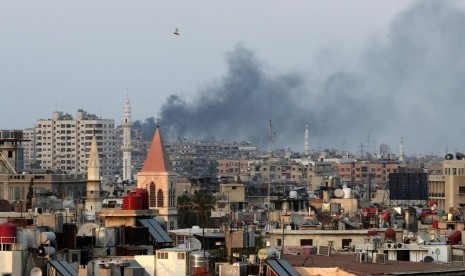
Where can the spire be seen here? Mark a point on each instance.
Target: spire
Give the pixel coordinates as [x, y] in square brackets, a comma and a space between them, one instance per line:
[93, 167]
[157, 160]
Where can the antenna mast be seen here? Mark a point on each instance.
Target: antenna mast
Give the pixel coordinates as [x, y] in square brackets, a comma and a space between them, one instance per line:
[270, 142]
[306, 141]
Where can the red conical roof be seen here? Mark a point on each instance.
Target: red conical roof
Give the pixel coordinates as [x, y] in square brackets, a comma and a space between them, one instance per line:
[157, 160]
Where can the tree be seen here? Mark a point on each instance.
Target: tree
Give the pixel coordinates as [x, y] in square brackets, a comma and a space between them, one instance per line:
[195, 209]
[185, 207]
[203, 204]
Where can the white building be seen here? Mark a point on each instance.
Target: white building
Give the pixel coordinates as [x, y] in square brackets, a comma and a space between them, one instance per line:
[62, 143]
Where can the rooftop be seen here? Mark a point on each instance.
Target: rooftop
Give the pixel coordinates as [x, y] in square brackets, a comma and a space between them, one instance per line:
[347, 262]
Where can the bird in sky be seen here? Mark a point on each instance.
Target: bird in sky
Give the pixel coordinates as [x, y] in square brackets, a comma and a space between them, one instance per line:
[176, 31]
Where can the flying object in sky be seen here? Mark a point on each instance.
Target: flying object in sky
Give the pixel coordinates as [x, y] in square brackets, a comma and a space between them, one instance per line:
[176, 31]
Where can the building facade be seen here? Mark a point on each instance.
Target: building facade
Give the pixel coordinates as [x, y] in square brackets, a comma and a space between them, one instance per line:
[62, 143]
[448, 189]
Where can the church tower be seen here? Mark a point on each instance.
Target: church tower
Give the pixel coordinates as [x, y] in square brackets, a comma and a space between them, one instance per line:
[160, 180]
[93, 198]
[126, 148]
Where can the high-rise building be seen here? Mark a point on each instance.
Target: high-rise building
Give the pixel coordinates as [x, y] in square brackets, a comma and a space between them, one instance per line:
[63, 143]
[29, 148]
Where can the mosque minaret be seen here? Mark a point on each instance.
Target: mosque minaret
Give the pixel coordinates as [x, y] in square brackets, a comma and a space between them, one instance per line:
[127, 148]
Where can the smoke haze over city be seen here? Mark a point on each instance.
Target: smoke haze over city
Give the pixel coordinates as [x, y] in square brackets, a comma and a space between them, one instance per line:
[408, 84]
[352, 69]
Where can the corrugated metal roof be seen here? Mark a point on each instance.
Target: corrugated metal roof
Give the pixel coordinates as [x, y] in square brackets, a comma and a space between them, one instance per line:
[155, 230]
[64, 268]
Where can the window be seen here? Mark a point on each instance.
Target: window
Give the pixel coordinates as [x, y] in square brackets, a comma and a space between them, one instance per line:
[278, 242]
[346, 243]
[152, 195]
[162, 255]
[160, 198]
[306, 242]
[181, 256]
[461, 189]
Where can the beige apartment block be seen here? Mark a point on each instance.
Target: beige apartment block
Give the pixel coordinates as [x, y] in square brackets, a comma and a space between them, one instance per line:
[448, 189]
[62, 143]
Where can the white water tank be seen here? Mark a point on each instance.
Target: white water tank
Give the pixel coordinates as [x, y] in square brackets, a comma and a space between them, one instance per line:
[347, 192]
[293, 194]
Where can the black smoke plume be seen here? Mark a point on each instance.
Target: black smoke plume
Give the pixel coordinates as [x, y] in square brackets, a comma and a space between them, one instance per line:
[409, 83]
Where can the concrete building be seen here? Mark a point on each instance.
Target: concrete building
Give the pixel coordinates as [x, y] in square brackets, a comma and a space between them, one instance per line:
[62, 143]
[360, 171]
[29, 151]
[11, 152]
[448, 189]
[14, 182]
[231, 198]
[160, 180]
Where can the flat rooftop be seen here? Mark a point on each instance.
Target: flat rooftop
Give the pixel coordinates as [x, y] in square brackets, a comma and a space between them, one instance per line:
[346, 262]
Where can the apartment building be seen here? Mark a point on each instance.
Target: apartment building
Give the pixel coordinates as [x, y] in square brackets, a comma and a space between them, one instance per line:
[360, 171]
[448, 189]
[62, 143]
[28, 146]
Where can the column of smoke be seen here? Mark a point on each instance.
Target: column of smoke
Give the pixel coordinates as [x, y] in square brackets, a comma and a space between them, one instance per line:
[408, 83]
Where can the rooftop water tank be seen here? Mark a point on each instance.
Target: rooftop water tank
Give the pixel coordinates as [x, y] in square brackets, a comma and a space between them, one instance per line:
[7, 233]
[132, 201]
[145, 197]
[347, 192]
[197, 260]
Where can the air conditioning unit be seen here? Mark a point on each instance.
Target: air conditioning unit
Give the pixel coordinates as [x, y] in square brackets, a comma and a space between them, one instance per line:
[379, 258]
[361, 257]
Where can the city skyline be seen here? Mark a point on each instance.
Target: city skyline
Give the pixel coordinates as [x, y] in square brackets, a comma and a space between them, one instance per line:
[388, 69]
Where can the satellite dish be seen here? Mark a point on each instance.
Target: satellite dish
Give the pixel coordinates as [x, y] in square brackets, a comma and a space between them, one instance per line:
[437, 251]
[338, 193]
[194, 244]
[428, 259]
[36, 271]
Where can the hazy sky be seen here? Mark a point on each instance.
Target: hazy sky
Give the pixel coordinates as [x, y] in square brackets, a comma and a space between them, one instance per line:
[347, 68]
